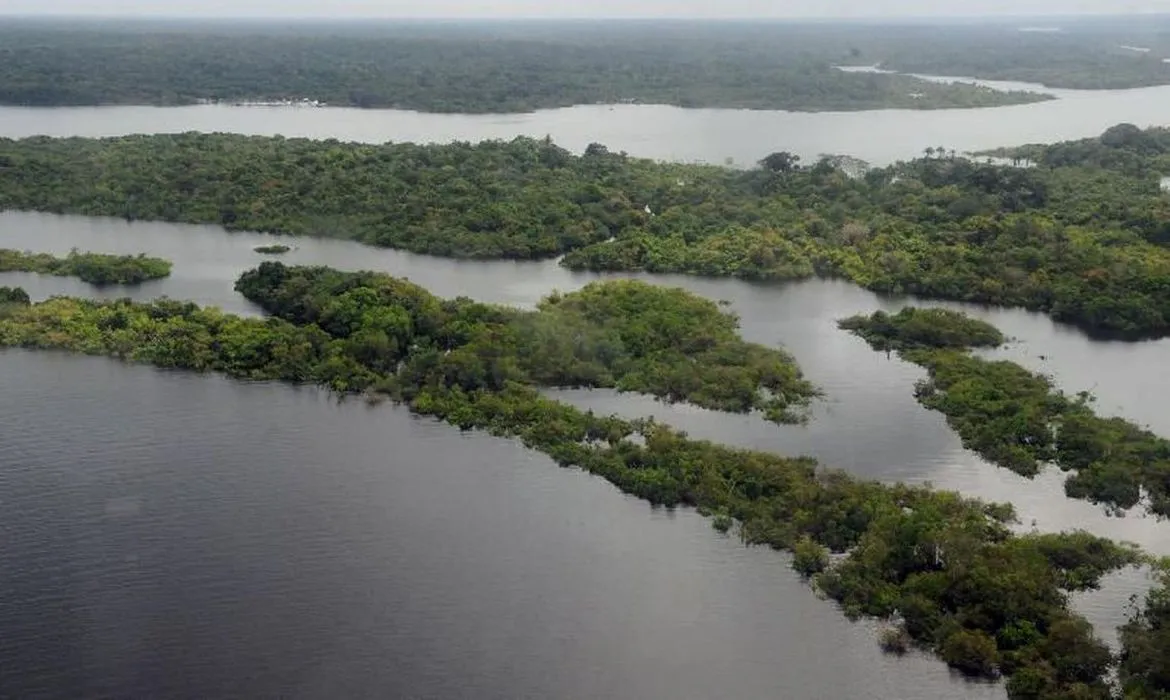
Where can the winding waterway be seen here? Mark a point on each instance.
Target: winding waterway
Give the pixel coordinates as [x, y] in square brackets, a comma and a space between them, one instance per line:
[169, 535]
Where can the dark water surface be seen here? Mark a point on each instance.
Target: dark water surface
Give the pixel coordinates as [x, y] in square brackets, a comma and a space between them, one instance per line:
[171, 535]
[194, 536]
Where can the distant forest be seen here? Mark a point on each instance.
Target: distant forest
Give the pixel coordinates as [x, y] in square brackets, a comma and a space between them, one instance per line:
[499, 67]
[477, 68]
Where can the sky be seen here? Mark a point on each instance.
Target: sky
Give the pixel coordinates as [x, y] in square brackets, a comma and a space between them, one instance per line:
[579, 8]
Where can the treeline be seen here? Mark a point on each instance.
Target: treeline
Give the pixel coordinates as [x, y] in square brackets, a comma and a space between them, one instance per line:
[1082, 236]
[95, 268]
[445, 68]
[1019, 420]
[950, 570]
[519, 199]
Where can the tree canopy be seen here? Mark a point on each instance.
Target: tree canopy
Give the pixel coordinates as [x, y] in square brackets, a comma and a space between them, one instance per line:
[1084, 235]
[440, 67]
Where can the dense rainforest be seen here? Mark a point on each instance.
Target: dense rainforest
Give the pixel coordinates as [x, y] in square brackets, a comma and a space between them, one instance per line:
[447, 67]
[1017, 419]
[949, 571]
[95, 268]
[1082, 235]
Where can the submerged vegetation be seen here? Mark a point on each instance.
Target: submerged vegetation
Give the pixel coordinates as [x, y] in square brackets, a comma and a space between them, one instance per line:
[1018, 419]
[276, 249]
[95, 268]
[988, 601]
[1083, 236]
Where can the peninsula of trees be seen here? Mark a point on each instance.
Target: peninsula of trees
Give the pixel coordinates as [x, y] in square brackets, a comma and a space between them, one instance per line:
[1081, 236]
[989, 602]
[1017, 419]
[95, 268]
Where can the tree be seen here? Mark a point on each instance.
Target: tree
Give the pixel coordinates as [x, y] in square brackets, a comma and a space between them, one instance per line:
[781, 162]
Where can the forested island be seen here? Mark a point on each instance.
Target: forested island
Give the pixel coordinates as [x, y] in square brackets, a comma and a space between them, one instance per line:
[95, 268]
[949, 570]
[1017, 419]
[1081, 236]
[467, 68]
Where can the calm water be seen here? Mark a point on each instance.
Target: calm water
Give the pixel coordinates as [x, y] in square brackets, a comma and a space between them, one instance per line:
[666, 133]
[176, 536]
[869, 424]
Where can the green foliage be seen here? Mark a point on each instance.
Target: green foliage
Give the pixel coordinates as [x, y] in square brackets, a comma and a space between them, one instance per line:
[1084, 237]
[923, 328]
[13, 295]
[951, 566]
[626, 335]
[972, 652]
[1145, 641]
[809, 558]
[1017, 419]
[520, 199]
[457, 68]
[94, 268]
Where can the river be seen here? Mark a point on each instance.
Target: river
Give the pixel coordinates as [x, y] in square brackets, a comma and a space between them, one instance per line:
[869, 424]
[169, 535]
[652, 131]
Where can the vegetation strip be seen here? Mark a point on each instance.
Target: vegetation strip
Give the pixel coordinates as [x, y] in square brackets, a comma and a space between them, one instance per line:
[1017, 419]
[948, 569]
[1082, 236]
[95, 268]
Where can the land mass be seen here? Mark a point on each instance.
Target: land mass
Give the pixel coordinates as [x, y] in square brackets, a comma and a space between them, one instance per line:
[951, 571]
[443, 67]
[95, 268]
[1082, 235]
[1017, 419]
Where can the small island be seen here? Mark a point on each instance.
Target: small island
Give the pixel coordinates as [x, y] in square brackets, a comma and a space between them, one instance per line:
[96, 268]
[923, 328]
[1017, 419]
[274, 249]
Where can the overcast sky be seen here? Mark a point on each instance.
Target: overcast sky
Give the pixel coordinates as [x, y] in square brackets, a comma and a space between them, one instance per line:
[579, 8]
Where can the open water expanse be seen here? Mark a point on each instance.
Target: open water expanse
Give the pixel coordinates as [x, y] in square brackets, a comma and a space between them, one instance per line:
[653, 131]
[175, 535]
